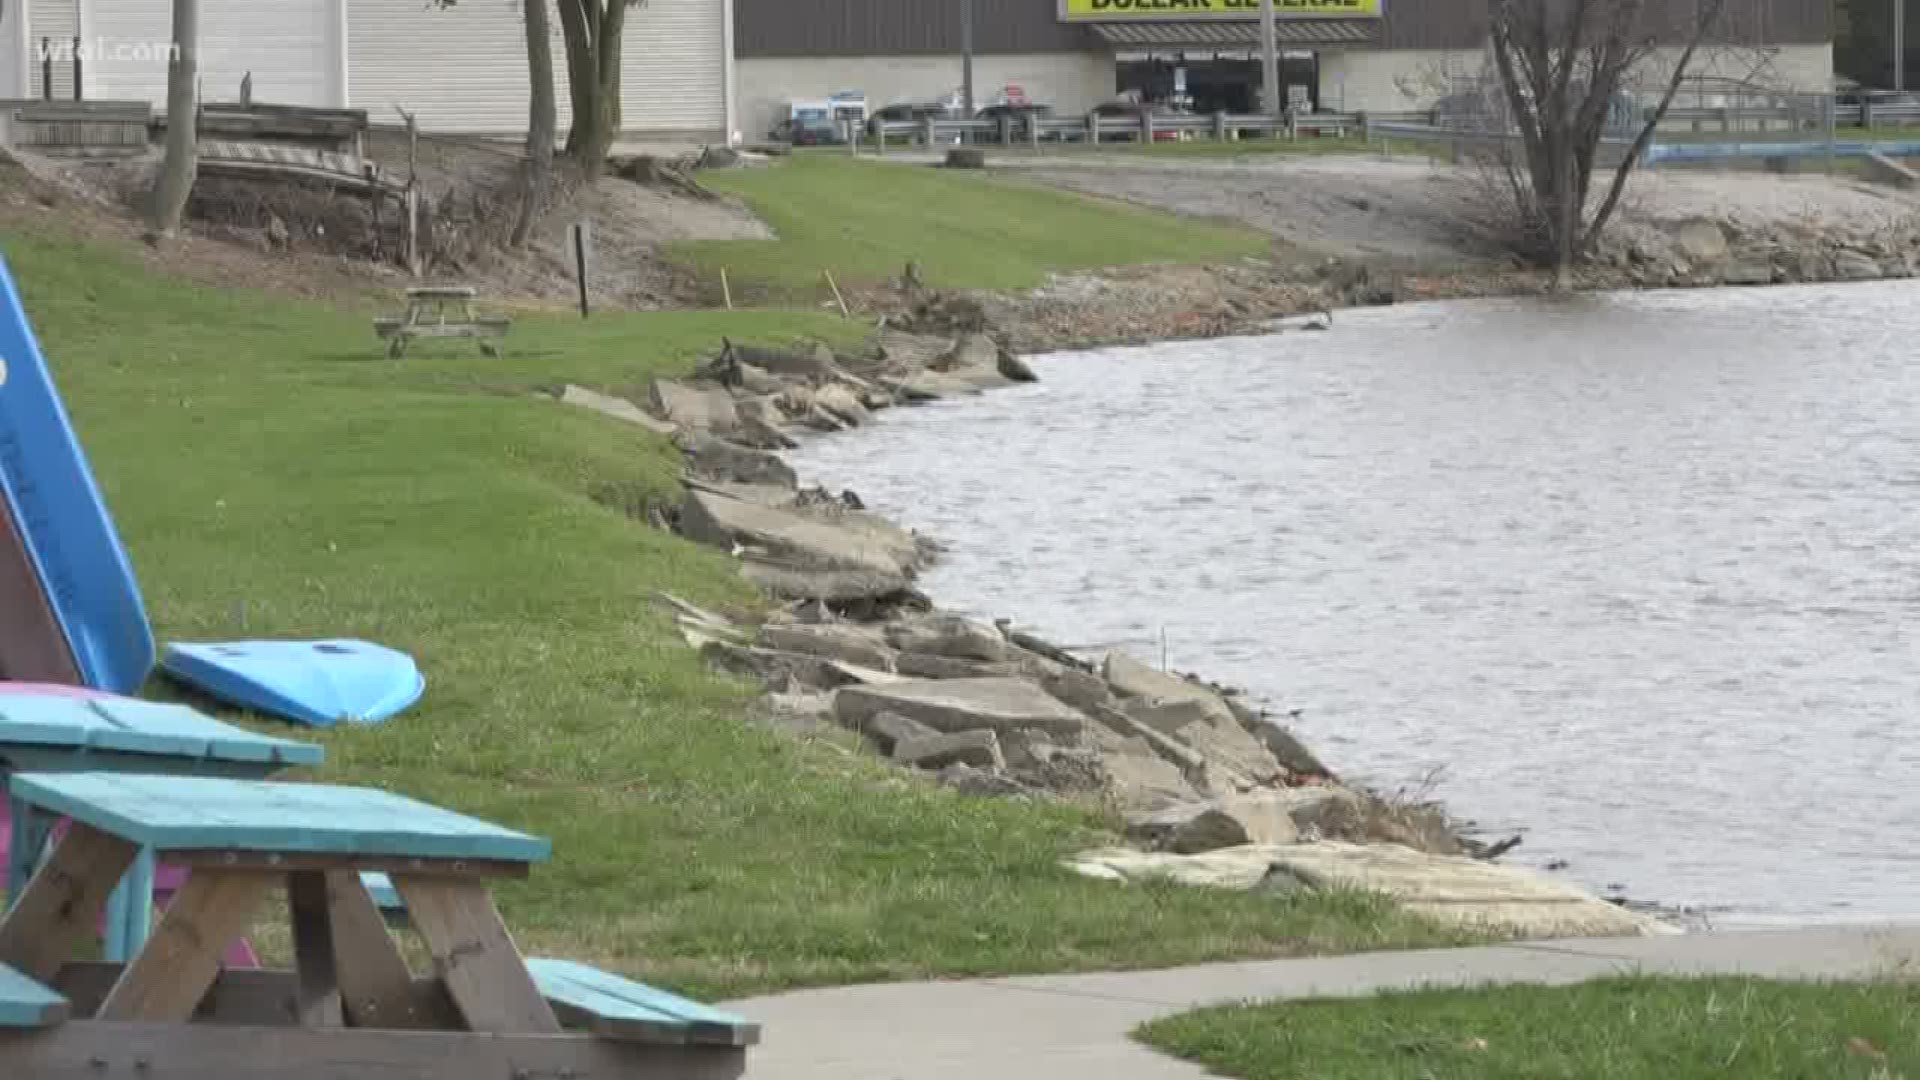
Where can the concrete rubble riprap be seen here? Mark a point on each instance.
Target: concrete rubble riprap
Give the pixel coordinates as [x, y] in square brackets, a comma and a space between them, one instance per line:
[618, 408]
[1459, 891]
[1208, 784]
[956, 705]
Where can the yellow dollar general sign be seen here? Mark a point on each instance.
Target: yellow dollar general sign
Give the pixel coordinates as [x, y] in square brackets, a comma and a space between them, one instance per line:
[1132, 10]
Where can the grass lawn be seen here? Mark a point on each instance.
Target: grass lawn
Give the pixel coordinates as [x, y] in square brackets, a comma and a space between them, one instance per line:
[274, 476]
[1619, 1029]
[865, 220]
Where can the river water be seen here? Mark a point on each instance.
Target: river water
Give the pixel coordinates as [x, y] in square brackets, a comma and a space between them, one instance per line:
[1637, 572]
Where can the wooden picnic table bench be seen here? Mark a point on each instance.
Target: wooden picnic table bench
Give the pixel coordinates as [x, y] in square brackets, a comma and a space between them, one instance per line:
[104, 733]
[351, 1008]
[426, 316]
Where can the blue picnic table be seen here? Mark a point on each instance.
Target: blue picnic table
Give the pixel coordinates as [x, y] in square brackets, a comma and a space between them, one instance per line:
[109, 734]
[351, 1006]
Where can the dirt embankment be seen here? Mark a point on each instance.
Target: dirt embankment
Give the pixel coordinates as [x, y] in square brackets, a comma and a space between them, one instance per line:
[312, 240]
[473, 186]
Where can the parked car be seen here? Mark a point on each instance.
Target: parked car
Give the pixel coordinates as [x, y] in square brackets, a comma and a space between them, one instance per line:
[807, 133]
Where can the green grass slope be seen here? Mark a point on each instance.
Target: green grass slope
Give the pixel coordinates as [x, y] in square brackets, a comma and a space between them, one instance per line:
[865, 220]
[274, 476]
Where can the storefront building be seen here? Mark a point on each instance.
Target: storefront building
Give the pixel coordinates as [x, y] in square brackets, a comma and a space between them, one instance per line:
[1071, 55]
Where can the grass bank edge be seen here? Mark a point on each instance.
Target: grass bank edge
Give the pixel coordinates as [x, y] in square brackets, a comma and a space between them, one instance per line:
[1630, 1027]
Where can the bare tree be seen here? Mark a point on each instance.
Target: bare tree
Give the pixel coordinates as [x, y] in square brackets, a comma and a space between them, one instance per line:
[542, 121]
[594, 31]
[1563, 67]
[175, 182]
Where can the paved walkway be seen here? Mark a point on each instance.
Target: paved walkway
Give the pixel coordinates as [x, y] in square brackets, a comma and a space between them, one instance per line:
[1074, 1027]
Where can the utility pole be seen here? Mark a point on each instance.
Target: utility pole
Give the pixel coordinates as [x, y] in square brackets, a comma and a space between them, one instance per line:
[1269, 59]
[1899, 44]
[966, 57]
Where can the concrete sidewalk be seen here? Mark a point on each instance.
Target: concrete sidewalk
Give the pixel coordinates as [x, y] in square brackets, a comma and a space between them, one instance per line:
[1075, 1027]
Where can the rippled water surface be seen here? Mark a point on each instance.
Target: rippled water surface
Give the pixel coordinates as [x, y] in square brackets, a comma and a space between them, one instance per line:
[1638, 571]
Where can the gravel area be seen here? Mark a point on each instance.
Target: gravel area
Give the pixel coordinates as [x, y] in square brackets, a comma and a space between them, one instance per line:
[1416, 213]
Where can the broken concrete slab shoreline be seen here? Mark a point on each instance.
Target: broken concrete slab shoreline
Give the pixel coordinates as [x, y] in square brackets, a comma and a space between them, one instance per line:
[1196, 775]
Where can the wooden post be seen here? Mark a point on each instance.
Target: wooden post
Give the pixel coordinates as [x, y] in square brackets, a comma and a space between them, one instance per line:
[582, 243]
[413, 229]
[726, 290]
[378, 200]
[412, 194]
[318, 999]
[837, 298]
[1146, 125]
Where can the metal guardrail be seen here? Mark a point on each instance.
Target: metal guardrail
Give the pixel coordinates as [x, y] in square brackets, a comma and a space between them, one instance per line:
[1783, 112]
[1096, 128]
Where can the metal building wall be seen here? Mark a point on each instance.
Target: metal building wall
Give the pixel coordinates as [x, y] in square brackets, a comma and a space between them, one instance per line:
[51, 22]
[899, 27]
[766, 28]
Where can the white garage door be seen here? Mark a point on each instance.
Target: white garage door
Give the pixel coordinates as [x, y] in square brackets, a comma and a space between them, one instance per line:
[673, 67]
[292, 48]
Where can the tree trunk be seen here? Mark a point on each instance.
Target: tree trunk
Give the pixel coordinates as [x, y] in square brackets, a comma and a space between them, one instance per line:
[593, 30]
[542, 121]
[577, 33]
[177, 172]
[1566, 226]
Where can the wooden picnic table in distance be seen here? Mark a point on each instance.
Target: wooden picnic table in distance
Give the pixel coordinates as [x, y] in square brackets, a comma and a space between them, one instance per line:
[351, 1008]
[113, 734]
[427, 317]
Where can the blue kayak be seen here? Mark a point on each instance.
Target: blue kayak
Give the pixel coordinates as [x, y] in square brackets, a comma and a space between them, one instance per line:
[320, 683]
[58, 523]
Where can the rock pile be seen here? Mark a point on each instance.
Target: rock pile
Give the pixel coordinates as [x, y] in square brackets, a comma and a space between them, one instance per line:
[1212, 788]
[986, 709]
[989, 710]
[1729, 251]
